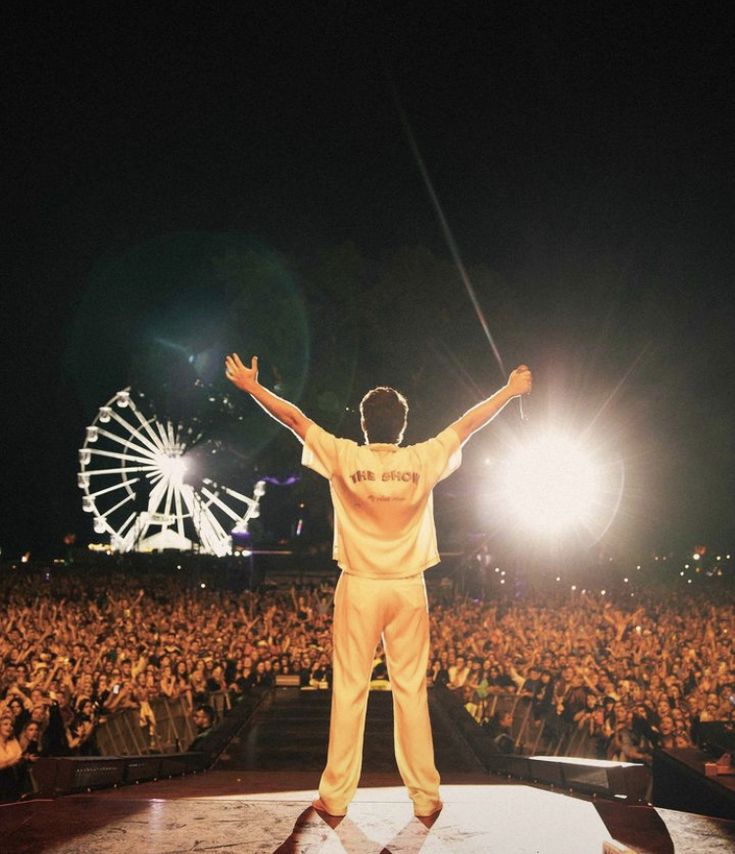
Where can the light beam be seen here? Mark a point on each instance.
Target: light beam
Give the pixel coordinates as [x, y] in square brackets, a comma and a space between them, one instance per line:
[449, 237]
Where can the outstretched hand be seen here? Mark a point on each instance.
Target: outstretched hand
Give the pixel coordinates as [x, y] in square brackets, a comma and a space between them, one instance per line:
[247, 379]
[240, 375]
[520, 382]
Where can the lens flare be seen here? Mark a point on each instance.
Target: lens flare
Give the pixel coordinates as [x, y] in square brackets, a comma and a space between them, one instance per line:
[551, 485]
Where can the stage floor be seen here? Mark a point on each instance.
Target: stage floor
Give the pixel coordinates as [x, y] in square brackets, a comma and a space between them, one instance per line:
[232, 812]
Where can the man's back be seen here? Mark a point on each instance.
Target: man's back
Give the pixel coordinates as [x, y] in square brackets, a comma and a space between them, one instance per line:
[384, 526]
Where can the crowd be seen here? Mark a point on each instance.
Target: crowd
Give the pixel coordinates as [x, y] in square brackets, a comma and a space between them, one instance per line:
[75, 649]
[629, 679]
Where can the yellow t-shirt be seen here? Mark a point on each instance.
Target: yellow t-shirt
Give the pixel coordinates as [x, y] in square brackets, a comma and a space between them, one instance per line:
[382, 497]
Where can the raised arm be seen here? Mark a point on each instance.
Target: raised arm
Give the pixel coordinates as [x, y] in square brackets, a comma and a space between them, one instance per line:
[246, 379]
[519, 383]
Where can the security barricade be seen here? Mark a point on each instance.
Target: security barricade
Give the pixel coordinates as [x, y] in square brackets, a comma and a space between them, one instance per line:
[134, 752]
[221, 702]
[534, 732]
[530, 736]
[166, 726]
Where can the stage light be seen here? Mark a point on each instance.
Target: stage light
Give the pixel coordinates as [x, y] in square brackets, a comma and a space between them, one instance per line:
[553, 485]
[695, 556]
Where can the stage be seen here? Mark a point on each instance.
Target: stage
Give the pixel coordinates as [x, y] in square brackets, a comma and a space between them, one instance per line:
[267, 812]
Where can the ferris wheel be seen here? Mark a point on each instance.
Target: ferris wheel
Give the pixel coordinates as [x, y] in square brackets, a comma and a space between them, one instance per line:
[133, 476]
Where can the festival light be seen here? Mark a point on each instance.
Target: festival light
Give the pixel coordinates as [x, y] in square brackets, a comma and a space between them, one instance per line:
[553, 485]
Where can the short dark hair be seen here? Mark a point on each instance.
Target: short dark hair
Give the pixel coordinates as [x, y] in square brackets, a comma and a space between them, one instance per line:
[384, 411]
[208, 710]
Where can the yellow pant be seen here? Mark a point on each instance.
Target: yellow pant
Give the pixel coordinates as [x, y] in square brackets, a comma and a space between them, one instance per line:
[365, 608]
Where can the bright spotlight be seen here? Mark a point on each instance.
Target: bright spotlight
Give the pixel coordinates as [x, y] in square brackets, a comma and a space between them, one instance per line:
[551, 485]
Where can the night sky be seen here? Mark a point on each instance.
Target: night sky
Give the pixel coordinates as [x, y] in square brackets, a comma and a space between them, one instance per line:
[176, 183]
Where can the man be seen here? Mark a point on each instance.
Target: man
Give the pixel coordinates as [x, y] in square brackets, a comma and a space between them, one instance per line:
[500, 730]
[531, 683]
[203, 719]
[628, 744]
[384, 539]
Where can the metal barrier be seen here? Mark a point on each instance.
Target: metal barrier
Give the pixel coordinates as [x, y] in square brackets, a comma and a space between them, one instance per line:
[167, 729]
[548, 733]
[53, 776]
[586, 773]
